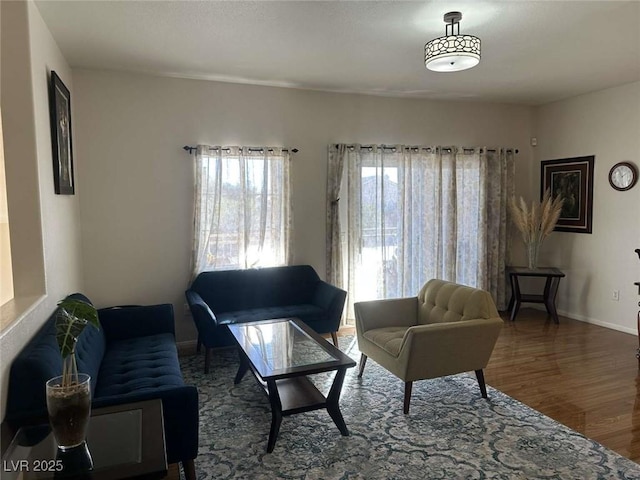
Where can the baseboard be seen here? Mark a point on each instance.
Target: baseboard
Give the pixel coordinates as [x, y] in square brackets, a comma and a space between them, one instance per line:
[187, 347]
[612, 326]
[585, 319]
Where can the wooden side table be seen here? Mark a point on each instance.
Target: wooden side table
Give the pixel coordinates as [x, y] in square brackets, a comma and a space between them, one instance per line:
[548, 297]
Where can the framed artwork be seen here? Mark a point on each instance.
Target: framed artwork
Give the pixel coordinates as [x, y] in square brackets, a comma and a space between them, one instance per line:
[60, 111]
[572, 179]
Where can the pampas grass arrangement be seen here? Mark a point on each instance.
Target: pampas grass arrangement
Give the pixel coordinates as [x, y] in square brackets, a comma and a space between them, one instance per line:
[536, 222]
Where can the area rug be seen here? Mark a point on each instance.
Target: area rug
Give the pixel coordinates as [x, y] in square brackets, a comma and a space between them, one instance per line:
[451, 432]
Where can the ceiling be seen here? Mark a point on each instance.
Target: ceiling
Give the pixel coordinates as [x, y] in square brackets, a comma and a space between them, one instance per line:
[533, 52]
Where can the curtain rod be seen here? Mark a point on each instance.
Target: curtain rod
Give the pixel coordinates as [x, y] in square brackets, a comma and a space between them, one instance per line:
[428, 149]
[191, 149]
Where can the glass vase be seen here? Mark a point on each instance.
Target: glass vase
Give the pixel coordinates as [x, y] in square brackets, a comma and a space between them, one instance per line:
[533, 248]
[69, 408]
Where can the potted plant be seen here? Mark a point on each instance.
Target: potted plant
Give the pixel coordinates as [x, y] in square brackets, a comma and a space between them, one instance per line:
[69, 395]
[536, 223]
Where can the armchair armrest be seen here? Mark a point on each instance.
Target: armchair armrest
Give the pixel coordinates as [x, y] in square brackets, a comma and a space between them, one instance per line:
[439, 349]
[393, 312]
[136, 321]
[330, 298]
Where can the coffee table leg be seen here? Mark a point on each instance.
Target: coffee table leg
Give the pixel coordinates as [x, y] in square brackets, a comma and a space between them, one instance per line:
[242, 369]
[333, 407]
[276, 414]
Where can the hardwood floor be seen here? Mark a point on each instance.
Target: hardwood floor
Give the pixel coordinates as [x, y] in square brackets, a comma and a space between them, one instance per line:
[584, 376]
[581, 375]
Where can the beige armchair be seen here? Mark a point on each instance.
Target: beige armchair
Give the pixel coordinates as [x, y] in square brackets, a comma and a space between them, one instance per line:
[446, 329]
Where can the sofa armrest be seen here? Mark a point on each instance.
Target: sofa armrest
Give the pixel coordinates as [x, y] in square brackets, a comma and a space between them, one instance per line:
[200, 311]
[439, 349]
[393, 312]
[206, 322]
[330, 298]
[136, 321]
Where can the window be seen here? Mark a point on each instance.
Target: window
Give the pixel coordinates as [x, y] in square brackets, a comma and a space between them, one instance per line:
[242, 208]
[6, 273]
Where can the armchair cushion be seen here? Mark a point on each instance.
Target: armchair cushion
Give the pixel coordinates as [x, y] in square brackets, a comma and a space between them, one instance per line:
[388, 338]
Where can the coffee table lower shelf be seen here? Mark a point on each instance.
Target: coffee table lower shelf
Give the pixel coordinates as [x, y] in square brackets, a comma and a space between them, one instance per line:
[289, 396]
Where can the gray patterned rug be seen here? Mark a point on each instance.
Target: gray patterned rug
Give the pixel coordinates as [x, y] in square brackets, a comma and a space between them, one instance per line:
[451, 432]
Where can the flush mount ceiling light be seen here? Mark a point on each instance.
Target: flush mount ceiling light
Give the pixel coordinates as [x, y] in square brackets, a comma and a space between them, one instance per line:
[453, 52]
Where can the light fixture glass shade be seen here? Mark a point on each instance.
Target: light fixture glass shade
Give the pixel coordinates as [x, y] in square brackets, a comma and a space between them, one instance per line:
[452, 53]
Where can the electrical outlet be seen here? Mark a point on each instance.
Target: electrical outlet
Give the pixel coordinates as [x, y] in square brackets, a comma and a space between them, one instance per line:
[615, 295]
[186, 310]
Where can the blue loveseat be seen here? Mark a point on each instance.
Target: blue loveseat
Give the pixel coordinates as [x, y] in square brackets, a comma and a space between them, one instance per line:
[131, 358]
[217, 299]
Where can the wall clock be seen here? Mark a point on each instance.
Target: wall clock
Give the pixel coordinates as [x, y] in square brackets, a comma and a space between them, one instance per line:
[623, 176]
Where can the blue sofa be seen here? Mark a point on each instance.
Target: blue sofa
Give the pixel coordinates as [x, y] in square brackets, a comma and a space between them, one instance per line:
[217, 299]
[133, 357]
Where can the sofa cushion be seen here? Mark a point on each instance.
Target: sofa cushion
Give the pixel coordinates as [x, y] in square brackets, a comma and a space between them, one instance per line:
[387, 338]
[139, 364]
[305, 312]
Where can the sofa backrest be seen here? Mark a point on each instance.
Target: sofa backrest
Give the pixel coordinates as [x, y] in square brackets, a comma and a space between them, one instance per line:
[232, 290]
[40, 360]
[441, 301]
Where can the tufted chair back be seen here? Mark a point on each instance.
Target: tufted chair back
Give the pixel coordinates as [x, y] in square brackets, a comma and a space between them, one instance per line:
[440, 301]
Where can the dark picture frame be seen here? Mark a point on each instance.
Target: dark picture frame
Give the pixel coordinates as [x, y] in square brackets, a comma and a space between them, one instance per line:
[60, 112]
[572, 179]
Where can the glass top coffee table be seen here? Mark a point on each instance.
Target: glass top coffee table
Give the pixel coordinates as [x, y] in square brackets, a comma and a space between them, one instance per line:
[281, 353]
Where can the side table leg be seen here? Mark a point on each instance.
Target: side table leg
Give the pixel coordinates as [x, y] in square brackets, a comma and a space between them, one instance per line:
[276, 414]
[513, 293]
[550, 292]
[333, 407]
[516, 297]
[638, 353]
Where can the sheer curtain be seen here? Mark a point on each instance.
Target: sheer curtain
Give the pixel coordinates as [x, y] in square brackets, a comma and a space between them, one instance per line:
[334, 181]
[242, 208]
[415, 213]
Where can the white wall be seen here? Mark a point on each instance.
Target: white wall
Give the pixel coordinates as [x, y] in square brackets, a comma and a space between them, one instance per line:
[6, 272]
[47, 225]
[137, 181]
[605, 124]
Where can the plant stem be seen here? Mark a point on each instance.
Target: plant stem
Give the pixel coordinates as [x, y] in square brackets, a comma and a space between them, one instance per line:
[75, 366]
